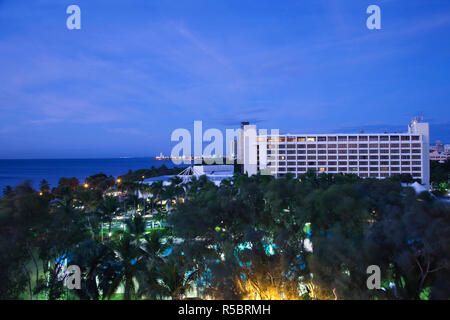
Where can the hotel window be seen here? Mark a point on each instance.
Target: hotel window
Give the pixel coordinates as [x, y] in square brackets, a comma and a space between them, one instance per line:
[384, 157]
[281, 169]
[301, 158]
[301, 139]
[416, 169]
[373, 138]
[395, 145]
[415, 138]
[373, 145]
[405, 163]
[290, 163]
[364, 175]
[282, 139]
[395, 138]
[322, 163]
[342, 146]
[352, 138]
[322, 169]
[383, 174]
[291, 139]
[311, 139]
[384, 151]
[372, 151]
[291, 157]
[373, 169]
[281, 163]
[384, 163]
[416, 157]
[321, 145]
[311, 158]
[363, 138]
[282, 158]
[321, 138]
[374, 175]
[363, 145]
[373, 157]
[291, 146]
[363, 151]
[363, 157]
[406, 157]
[416, 151]
[342, 169]
[322, 157]
[312, 152]
[311, 163]
[353, 145]
[415, 145]
[363, 163]
[353, 169]
[342, 163]
[322, 151]
[282, 151]
[395, 157]
[311, 146]
[384, 138]
[405, 138]
[332, 151]
[331, 169]
[342, 138]
[363, 169]
[405, 151]
[332, 146]
[395, 151]
[291, 152]
[342, 157]
[384, 145]
[301, 169]
[301, 146]
[342, 151]
[331, 163]
[332, 157]
[260, 139]
[416, 174]
[384, 169]
[395, 169]
[373, 163]
[353, 163]
[332, 138]
[417, 163]
[406, 145]
[353, 151]
[301, 151]
[302, 163]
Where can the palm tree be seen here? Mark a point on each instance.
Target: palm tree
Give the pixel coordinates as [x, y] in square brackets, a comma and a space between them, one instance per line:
[173, 280]
[129, 258]
[108, 209]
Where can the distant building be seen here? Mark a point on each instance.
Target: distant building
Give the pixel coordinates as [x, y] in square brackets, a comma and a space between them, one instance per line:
[439, 152]
[375, 155]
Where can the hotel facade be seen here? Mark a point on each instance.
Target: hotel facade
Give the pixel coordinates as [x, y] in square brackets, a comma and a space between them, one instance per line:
[374, 155]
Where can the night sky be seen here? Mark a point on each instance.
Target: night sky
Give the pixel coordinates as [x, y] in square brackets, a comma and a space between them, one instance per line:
[139, 69]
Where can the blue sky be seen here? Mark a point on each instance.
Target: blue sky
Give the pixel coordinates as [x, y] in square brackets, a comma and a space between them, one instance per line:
[137, 70]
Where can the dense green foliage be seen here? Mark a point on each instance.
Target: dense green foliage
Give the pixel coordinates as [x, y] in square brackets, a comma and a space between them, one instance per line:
[249, 238]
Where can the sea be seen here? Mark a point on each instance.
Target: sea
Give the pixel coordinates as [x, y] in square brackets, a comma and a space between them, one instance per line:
[14, 172]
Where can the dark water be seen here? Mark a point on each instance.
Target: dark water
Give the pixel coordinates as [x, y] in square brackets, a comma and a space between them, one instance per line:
[13, 172]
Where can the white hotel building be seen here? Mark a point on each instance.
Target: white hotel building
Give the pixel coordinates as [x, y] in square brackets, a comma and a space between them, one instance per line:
[375, 155]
